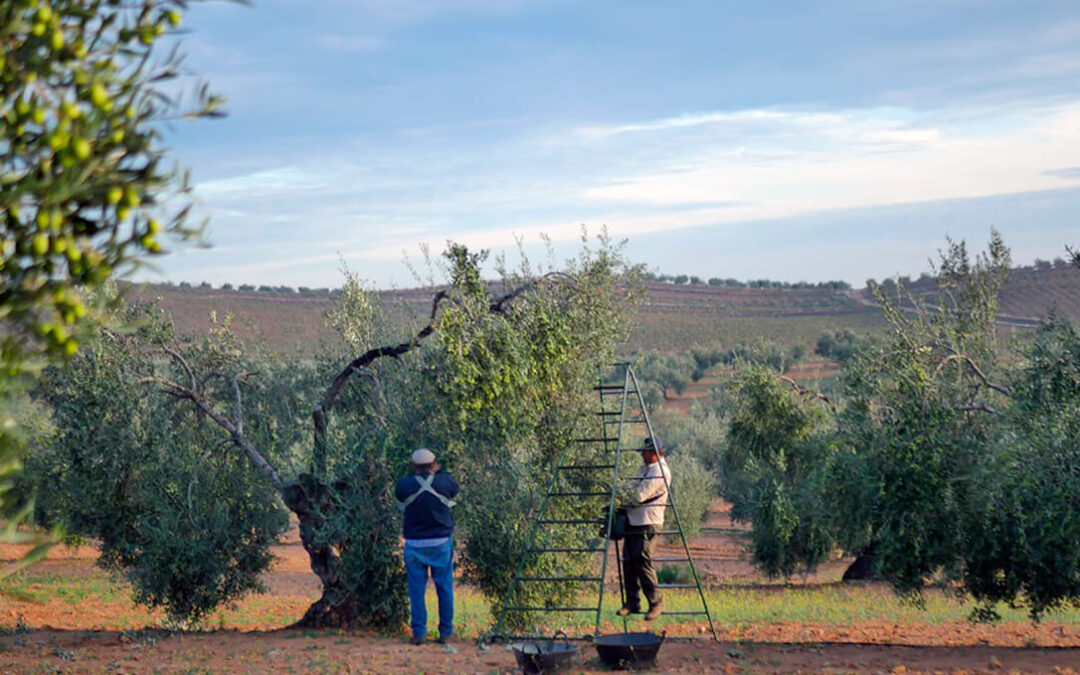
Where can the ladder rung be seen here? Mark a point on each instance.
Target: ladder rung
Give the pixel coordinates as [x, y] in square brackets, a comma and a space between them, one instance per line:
[676, 585]
[608, 413]
[569, 521]
[588, 466]
[595, 440]
[565, 550]
[559, 578]
[609, 387]
[669, 560]
[580, 494]
[551, 609]
[667, 532]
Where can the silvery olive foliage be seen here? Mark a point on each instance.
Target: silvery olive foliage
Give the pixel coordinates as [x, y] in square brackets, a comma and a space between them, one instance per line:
[211, 437]
[951, 456]
[178, 513]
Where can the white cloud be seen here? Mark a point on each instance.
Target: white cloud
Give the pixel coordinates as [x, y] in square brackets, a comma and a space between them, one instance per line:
[635, 177]
[258, 183]
[805, 163]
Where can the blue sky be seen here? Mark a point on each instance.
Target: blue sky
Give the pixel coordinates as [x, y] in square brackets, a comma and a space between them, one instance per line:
[799, 140]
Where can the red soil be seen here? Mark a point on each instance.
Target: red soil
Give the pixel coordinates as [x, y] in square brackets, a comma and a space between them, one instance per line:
[71, 636]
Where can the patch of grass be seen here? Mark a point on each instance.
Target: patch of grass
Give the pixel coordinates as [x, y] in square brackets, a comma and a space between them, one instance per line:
[837, 604]
[43, 588]
[675, 574]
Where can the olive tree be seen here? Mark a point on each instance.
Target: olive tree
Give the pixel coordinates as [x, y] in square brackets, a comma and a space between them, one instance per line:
[776, 451]
[888, 475]
[189, 525]
[496, 379]
[84, 193]
[946, 462]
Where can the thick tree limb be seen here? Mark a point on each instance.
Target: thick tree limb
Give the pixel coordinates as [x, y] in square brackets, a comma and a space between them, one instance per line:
[183, 364]
[803, 391]
[498, 306]
[1001, 389]
[235, 434]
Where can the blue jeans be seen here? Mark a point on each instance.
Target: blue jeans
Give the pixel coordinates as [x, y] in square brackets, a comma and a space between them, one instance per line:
[440, 561]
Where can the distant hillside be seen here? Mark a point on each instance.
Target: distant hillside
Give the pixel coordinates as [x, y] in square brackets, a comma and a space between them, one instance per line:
[675, 317]
[1030, 294]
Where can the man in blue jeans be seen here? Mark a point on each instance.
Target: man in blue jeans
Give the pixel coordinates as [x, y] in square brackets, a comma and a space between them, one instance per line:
[426, 495]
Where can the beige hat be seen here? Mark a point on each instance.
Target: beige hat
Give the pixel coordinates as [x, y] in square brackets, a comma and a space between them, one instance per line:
[423, 456]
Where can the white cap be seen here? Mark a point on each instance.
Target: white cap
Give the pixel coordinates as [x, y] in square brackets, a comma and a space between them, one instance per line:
[423, 456]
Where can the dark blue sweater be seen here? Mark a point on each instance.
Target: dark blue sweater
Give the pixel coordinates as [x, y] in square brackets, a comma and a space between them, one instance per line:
[427, 517]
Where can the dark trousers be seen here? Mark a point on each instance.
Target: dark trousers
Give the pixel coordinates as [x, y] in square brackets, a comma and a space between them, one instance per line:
[638, 572]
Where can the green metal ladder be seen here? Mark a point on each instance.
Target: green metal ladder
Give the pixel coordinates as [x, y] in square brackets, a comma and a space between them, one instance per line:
[620, 427]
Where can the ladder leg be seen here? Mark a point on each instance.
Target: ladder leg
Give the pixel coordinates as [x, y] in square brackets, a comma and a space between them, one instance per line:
[674, 510]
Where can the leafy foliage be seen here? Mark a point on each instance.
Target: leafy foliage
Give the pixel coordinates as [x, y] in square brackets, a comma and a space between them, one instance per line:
[1022, 531]
[188, 524]
[692, 490]
[83, 184]
[82, 189]
[944, 462]
[512, 384]
[842, 345]
[776, 449]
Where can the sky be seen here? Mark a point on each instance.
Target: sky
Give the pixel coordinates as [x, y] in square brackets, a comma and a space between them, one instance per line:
[792, 140]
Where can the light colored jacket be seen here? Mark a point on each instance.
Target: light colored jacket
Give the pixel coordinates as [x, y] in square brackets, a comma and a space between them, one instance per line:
[651, 486]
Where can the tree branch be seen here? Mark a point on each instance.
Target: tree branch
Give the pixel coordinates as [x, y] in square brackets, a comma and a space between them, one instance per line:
[183, 364]
[803, 391]
[497, 306]
[235, 434]
[1001, 389]
[356, 366]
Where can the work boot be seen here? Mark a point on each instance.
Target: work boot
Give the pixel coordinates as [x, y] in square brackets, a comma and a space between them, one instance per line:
[416, 640]
[655, 610]
[627, 609]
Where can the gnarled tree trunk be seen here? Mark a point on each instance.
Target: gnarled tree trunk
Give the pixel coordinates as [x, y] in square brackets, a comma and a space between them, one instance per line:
[863, 567]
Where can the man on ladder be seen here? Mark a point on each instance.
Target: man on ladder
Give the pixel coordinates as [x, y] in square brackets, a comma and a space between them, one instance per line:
[645, 499]
[426, 496]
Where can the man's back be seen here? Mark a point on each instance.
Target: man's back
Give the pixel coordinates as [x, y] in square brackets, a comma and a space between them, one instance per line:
[427, 516]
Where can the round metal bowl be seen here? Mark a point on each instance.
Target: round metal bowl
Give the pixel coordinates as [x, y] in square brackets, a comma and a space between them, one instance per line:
[547, 656]
[629, 650]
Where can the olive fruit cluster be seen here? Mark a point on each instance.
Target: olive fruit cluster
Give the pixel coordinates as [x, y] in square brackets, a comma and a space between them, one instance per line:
[83, 191]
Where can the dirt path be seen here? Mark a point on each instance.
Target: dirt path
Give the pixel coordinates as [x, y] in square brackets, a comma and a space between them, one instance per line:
[291, 651]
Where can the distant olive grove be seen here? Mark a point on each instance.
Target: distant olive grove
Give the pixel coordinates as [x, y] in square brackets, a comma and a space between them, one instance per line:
[682, 279]
[945, 452]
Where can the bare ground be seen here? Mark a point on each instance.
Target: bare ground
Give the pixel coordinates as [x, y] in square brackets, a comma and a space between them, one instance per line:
[63, 634]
